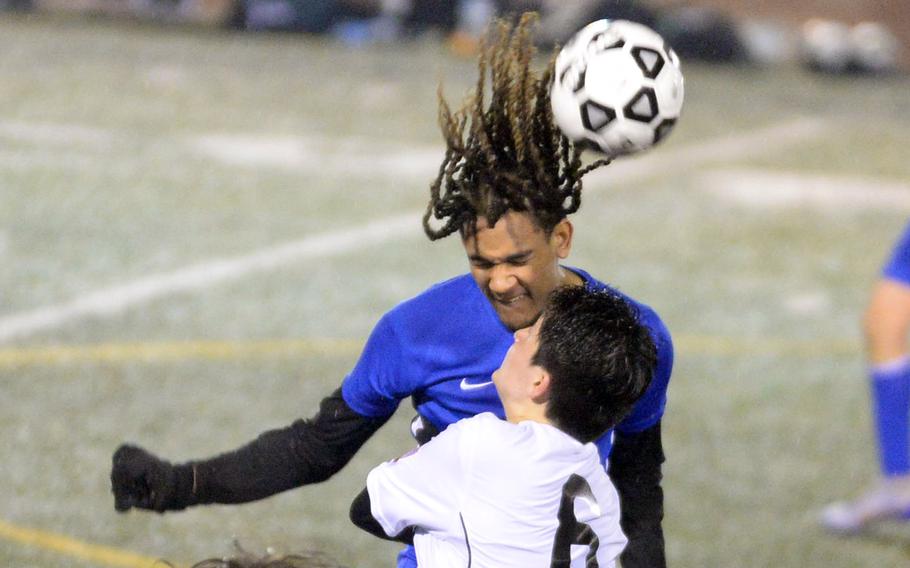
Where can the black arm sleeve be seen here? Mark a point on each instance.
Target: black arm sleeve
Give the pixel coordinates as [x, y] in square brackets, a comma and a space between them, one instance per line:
[307, 451]
[362, 516]
[635, 468]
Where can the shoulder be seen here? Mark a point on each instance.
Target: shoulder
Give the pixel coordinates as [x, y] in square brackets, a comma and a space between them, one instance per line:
[459, 290]
[648, 315]
[485, 422]
[441, 314]
[484, 430]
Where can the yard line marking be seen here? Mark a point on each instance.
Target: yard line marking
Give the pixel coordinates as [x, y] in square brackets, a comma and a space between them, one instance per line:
[98, 554]
[171, 351]
[111, 301]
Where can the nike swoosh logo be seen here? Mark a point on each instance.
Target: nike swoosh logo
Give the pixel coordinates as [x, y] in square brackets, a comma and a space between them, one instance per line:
[465, 385]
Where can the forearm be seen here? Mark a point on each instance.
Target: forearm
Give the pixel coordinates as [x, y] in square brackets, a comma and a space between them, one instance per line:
[635, 468]
[362, 516]
[307, 451]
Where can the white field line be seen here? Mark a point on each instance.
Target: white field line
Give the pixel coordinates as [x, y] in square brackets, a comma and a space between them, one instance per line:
[113, 300]
[789, 190]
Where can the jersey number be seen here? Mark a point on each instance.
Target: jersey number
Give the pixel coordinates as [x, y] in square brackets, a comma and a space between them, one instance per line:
[570, 531]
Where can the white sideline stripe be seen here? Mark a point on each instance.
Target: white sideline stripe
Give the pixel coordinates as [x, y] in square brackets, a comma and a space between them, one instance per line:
[110, 301]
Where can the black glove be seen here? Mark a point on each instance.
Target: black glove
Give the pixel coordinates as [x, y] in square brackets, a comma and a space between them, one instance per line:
[142, 480]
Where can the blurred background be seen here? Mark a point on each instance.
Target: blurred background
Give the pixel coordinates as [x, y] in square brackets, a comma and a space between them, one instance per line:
[205, 205]
[715, 30]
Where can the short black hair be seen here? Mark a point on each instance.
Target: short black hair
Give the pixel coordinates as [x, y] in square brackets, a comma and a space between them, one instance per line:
[600, 358]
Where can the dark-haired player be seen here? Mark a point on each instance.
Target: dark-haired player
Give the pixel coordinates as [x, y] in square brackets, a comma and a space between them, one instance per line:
[522, 492]
[507, 183]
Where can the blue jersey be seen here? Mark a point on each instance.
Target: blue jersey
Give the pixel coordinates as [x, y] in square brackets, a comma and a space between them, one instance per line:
[441, 348]
[898, 266]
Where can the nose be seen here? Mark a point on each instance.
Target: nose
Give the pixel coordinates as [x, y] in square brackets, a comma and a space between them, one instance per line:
[501, 280]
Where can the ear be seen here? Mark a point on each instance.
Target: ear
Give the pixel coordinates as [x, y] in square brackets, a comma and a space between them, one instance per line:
[561, 238]
[540, 386]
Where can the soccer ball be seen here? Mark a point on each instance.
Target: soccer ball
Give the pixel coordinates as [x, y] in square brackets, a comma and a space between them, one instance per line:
[617, 87]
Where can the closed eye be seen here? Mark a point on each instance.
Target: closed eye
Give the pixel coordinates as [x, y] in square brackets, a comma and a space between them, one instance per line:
[481, 263]
[519, 259]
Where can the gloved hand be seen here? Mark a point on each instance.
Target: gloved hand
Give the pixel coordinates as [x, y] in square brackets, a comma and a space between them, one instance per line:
[142, 480]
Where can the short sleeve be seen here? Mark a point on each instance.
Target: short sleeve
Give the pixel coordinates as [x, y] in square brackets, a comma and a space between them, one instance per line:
[650, 407]
[423, 488]
[897, 268]
[375, 386]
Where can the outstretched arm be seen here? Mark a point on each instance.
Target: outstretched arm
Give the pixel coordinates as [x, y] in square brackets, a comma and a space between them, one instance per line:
[635, 468]
[307, 451]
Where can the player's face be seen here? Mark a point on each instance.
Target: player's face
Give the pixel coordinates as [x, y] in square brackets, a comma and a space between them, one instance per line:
[516, 265]
[517, 372]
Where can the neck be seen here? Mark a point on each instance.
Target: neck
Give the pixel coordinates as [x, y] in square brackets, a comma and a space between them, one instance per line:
[569, 278]
[534, 413]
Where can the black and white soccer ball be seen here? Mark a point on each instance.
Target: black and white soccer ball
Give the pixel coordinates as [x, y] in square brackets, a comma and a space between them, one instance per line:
[617, 87]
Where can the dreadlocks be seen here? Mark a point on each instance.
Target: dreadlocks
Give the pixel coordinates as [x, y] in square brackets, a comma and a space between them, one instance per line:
[509, 156]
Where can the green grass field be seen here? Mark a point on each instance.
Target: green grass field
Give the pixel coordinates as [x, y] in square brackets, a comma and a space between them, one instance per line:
[182, 268]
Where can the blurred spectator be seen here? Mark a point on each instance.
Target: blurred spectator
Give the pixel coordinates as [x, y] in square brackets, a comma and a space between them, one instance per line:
[833, 47]
[704, 34]
[560, 20]
[309, 16]
[15, 5]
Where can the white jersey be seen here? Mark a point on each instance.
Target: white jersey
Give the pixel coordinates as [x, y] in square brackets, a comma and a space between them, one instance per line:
[486, 493]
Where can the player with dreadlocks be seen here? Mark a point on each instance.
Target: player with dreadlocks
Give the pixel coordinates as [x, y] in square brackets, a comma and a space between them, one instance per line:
[507, 183]
[508, 156]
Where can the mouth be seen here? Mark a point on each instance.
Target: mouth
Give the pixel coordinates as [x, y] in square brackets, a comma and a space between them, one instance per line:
[511, 301]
